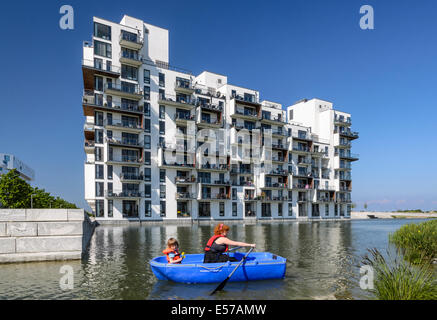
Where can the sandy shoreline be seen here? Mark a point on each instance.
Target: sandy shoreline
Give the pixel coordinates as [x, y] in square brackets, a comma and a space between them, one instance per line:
[390, 215]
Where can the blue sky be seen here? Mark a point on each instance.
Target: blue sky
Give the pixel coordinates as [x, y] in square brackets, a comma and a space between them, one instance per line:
[289, 50]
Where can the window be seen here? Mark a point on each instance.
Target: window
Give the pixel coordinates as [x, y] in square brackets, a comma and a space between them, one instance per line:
[110, 170]
[265, 210]
[129, 72]
[147, 125]
[326, 209]
[161, 80]
[221, 209]
[102, 49]
[161, 112]
[147, 191]
[98, 83]
[147, 109]
[234, 194]
[234, 209]
[148, 208]
[146, 142]
[161, 127]
[146, 76]
[290, 195]
[147, 174]
[204, 209]
[99, 171]
[110, 208]
[100, 208]
[279, 209]
[147, 93]
[162, 208]
[98, 118]
[129, 36]
[98, 153]
[99, 189]
[110, 188]
[109, 134]
[147, 160]
[162, 175]
[290, 209]
[130, 208]
[102, 31]
[290, 115]
[162, 191]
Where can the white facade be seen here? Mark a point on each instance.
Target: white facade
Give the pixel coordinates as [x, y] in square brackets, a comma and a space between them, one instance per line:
[9, 162]
[149, 128]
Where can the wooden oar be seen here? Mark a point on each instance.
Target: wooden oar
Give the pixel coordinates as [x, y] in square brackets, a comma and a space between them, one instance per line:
[222, 285]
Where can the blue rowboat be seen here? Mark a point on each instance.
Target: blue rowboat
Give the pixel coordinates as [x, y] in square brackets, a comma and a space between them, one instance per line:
[258, 266]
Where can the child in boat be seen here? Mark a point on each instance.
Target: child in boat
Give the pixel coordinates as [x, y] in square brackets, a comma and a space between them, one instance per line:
[172, 251]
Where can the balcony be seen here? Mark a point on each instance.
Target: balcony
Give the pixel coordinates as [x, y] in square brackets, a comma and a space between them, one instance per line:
[214, 167]
[184, 196]
[89, 146]
[182, 119]
[273, 198]
[302, 186]
[183, 86]
[235, 170]
[216, 196]
[243, 184]
[132, 59]
[124, 195]
[89, 131]
[304, 161]
[303, 136]
[277, 172]
[131, 41]
[275, 133]
[319, 153]
[177, 101]
[279, 146]
[276, 185]
[341, 120]
[185, 180]
[183, 166]
[215, 182]
[347, 133]
[91, 102]
[129, 177]
[176, 147]
[275, 120]
[245, 113]
[348, 156]
[130, 143]
[206, 123]
[301, 149]
[210, 107]
[126, 126]
[125, 90]
[125, 160]
[91, 68]
[248, 100]
[347, 177]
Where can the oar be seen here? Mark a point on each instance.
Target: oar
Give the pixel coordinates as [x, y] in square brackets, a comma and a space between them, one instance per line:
[234, 248]
[222, 285]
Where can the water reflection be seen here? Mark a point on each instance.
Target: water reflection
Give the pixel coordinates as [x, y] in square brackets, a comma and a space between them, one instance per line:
[322, 262]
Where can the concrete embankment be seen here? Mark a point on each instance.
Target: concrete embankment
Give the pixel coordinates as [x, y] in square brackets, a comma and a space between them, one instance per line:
[392, 215]
[43, 234]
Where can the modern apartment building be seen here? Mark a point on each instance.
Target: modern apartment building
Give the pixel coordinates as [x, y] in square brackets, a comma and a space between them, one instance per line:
[162, 143]
[9, 162]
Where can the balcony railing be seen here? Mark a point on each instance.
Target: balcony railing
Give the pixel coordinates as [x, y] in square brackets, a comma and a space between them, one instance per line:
[301, 135]
[280, 172]
[302, 186]
[177, 99]
[208, 196]
[275, 185]
[301, 148]
[101, 66]
[181, 179]
[184, 85]
[184, 195]
[125, 36]
[131, 176]
[185, 117]
[278, 119]
[214, 167]
[124, 141]
[241, 171]
[127, 159]
[210, 106]
[123, 124]
[130, 88]
[246, 112]
[124, 194]
[342, 120]
[250, 99]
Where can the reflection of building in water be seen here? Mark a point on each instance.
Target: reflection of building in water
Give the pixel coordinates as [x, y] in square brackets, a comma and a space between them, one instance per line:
[162, 143]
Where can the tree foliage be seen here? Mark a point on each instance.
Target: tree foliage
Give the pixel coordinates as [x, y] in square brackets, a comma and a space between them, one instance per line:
[15, 193]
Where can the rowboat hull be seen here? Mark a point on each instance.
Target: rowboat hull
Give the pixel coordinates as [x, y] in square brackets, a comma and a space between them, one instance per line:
[258, 266]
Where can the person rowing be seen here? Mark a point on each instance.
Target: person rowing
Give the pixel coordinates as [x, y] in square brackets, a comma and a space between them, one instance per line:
[218, 244]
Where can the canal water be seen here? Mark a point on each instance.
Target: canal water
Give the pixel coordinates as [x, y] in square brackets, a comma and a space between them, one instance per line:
[323, 261]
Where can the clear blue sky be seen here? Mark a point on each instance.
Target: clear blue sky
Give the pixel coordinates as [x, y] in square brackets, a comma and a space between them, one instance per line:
[386, 78]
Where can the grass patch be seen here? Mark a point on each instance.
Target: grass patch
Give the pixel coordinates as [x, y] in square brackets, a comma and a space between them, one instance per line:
[400, 280]
[418, 242]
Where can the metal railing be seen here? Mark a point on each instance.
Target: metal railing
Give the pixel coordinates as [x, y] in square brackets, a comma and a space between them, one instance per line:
[135, 38]
[177, 99]
[101, 65]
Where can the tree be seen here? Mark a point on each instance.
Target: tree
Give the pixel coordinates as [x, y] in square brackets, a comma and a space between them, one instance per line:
[14, 191]
[365, 206]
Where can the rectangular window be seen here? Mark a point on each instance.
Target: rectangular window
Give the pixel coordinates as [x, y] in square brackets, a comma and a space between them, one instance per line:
[110, 170]
[290, 209]
[234, 209]
[147, 191]
[162, 175]
[102, 49]
[147, 160]
[110, 188]
[234, 194]
[265, 210]
[162, 209]
[130, 209]
[147, 125]
[99, 189]
[146, 142]
[147, 93]
[98, 85]
[147, 174]
[204, 209]
[110, 208]
[161, 80]
[326, 209]
[146, 76]
[147, 109]
[161, 127]
[100, 208]
[102, 31]
[98, 153]
[148, 208]
[161, 112]
[222, 209]
[129, 72]
[99, 171]
[279, 209]
[162, 191]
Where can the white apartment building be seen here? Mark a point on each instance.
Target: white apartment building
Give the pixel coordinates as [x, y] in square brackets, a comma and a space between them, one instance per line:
[9, 162]
[163, 144]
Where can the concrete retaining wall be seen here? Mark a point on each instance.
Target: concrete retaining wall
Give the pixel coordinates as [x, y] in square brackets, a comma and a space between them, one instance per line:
[43, 234]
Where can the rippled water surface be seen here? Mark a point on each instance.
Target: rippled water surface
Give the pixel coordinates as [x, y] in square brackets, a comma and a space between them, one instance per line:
[323, 262]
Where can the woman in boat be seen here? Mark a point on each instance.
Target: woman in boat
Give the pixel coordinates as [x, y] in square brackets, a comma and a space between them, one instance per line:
[218, 244]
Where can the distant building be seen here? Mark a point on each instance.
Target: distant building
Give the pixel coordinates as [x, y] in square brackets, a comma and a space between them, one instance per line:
[9, 162]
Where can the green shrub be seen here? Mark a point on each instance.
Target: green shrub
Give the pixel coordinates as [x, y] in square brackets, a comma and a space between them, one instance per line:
[418, 242]
[400, 280]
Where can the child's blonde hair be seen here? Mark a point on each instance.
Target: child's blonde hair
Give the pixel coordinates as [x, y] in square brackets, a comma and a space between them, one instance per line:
[171, 242]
